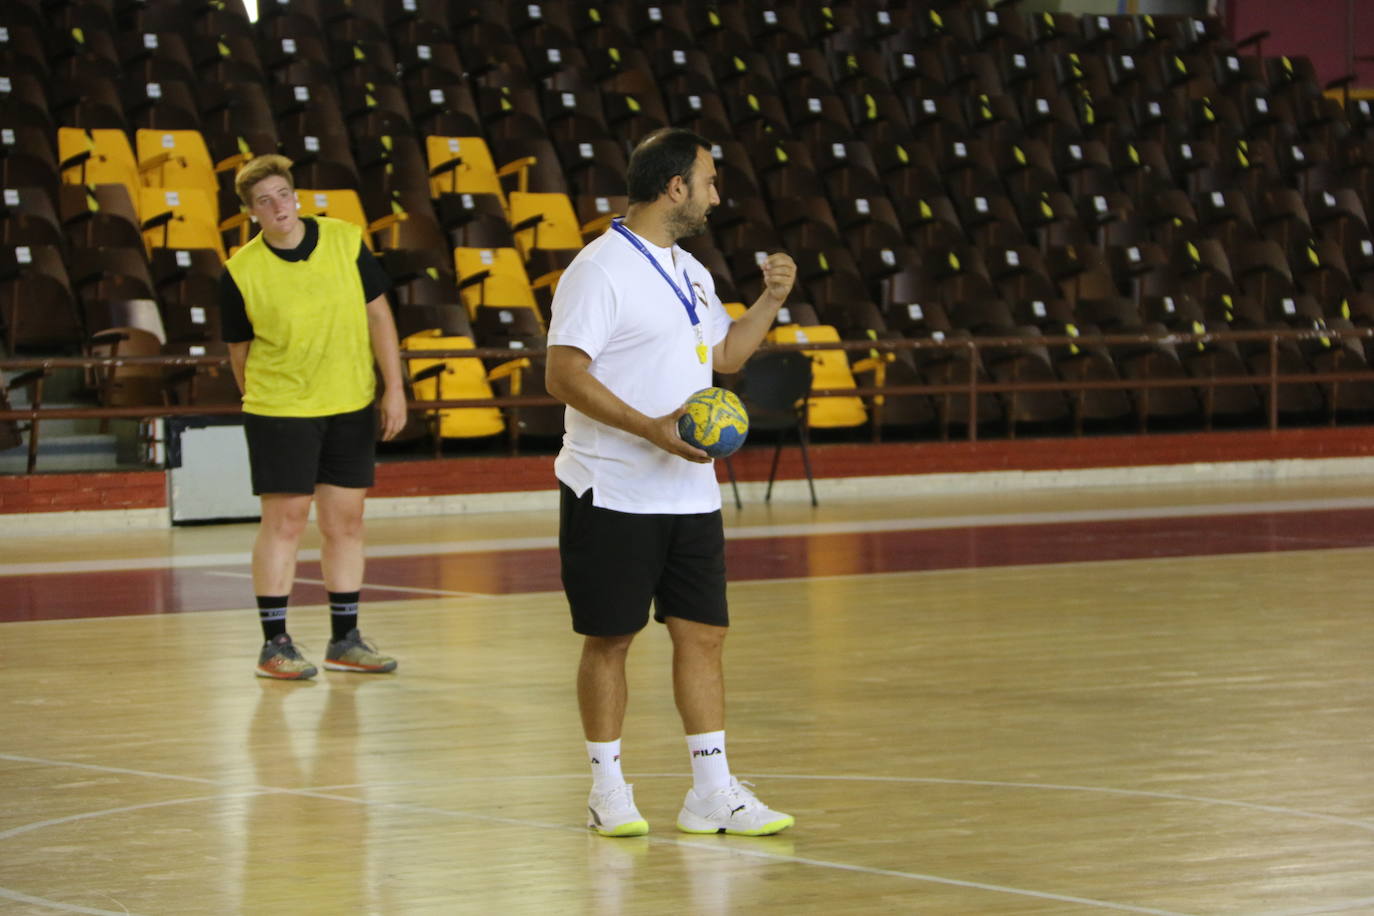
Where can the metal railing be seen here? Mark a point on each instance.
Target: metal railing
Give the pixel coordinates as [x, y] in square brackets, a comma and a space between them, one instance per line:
[975, 352]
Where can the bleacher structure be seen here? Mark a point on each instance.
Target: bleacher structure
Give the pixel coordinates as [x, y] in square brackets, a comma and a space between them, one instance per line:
[942, 172]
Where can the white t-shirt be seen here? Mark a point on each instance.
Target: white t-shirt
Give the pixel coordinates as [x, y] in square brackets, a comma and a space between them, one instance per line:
[614, 306]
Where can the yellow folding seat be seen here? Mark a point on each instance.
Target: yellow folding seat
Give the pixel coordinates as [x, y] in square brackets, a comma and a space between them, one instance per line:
[462, 377]
[492, 276]
[830, 369]
[101, 156]
[341, 204]
[175, 159]
[180, 218]
[735, 310]
[461, 165]
[544, 221]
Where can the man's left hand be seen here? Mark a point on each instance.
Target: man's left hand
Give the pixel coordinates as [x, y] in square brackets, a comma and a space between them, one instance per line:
[779, 273]
[393, 417]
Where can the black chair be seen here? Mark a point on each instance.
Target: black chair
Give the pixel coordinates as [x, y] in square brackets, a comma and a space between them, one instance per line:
[774, 388]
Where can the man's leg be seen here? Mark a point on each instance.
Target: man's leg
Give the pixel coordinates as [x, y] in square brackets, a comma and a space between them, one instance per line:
[339, 513]
[601, 688]
[601, 697]
[698, 674]
[717, 802]
[284, 517]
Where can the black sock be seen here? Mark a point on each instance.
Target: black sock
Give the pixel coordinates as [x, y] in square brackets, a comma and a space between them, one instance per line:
[272, 615]
[343, 613]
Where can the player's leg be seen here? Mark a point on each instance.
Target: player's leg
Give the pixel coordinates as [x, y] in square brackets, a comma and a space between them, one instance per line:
[691, 601]
[282, 455]
[608, 565]
[347, 469]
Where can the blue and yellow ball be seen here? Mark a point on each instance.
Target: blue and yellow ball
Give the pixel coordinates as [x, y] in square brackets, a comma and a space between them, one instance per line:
[715, 422]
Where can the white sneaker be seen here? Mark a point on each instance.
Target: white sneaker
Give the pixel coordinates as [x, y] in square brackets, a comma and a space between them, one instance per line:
[734, 810]
[614, 812]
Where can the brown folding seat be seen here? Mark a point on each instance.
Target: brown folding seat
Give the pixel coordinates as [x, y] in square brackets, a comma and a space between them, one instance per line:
[104, 274]
[23, 101]
[1085, 167]
[1026, 361]
[1081, 272]
[361, 63]
[1261, 269]
[1102, 217]
[991, 220]
[1020, 274]
[1158, 359]
[805, 222]
[186, 277]
[1110, 315]
[1333, 354]
[1170, 215]
[1338, 214]
[375, 110]
[1086, 359]
[1175, 312]
[1200, 268]
[1055, 32]
[959, 276]
[155, 57]
[1226, 216]
[1141, 167]
[88, 102]
[1294, 399]
[1359, 259]
[1319, 268]
[125, 384]
[1141, 267]
[37, 307]
[21, 47]
[1231, 403]
[306, 109]
[27, 217]
[27, 159]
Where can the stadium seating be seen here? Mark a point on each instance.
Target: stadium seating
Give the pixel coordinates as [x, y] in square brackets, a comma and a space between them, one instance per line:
[941, 171]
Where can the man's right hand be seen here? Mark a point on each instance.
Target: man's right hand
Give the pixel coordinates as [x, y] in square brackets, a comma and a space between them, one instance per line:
[662, 431]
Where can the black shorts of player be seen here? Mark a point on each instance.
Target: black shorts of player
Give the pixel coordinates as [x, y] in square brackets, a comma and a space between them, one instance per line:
[616, 563]
[293, 454]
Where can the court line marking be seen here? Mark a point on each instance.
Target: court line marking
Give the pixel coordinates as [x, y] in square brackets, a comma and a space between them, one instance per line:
[328, 793]
[921, 523]
[370, 586]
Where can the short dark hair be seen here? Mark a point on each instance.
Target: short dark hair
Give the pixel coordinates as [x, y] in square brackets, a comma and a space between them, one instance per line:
[658, 157]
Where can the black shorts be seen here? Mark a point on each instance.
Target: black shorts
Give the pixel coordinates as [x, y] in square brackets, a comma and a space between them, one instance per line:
[293, 454]
[615, 563]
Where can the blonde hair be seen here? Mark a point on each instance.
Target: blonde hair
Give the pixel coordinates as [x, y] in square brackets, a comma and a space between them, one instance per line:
[255, 170]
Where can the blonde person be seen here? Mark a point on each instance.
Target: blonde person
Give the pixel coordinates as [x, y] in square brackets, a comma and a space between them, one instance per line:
[636, 329]
[306, 317]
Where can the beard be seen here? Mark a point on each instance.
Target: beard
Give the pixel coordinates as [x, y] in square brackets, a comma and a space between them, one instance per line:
[686, 221]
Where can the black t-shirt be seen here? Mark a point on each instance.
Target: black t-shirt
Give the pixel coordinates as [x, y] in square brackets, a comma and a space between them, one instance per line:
[234, 324]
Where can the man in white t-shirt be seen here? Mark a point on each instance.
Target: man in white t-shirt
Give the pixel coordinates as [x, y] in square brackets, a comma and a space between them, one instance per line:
[636, 329]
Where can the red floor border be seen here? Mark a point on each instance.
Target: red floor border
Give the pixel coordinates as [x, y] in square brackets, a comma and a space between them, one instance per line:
[147, 489]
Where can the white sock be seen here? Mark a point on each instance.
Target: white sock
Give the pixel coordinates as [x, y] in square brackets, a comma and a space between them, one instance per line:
[710, 770]
[605, 760]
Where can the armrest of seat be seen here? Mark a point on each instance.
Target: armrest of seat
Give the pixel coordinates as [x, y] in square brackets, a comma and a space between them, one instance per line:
[519, 168]
[391, 222]
[512, 369]
[597, 225]
[231, 163]
[549, 279]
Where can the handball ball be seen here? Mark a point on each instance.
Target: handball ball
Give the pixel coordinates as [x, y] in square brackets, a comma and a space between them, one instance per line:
[715, 422]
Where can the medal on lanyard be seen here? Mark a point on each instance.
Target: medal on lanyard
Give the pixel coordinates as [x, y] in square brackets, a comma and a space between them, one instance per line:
[686, 299]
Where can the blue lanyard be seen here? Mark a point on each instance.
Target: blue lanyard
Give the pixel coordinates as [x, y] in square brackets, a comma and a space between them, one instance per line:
[685, 299]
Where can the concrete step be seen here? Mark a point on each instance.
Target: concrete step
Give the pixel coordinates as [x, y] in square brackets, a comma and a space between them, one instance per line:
[57, 452]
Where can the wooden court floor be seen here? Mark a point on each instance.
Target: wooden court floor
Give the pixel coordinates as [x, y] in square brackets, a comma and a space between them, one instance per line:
[1140, 700]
